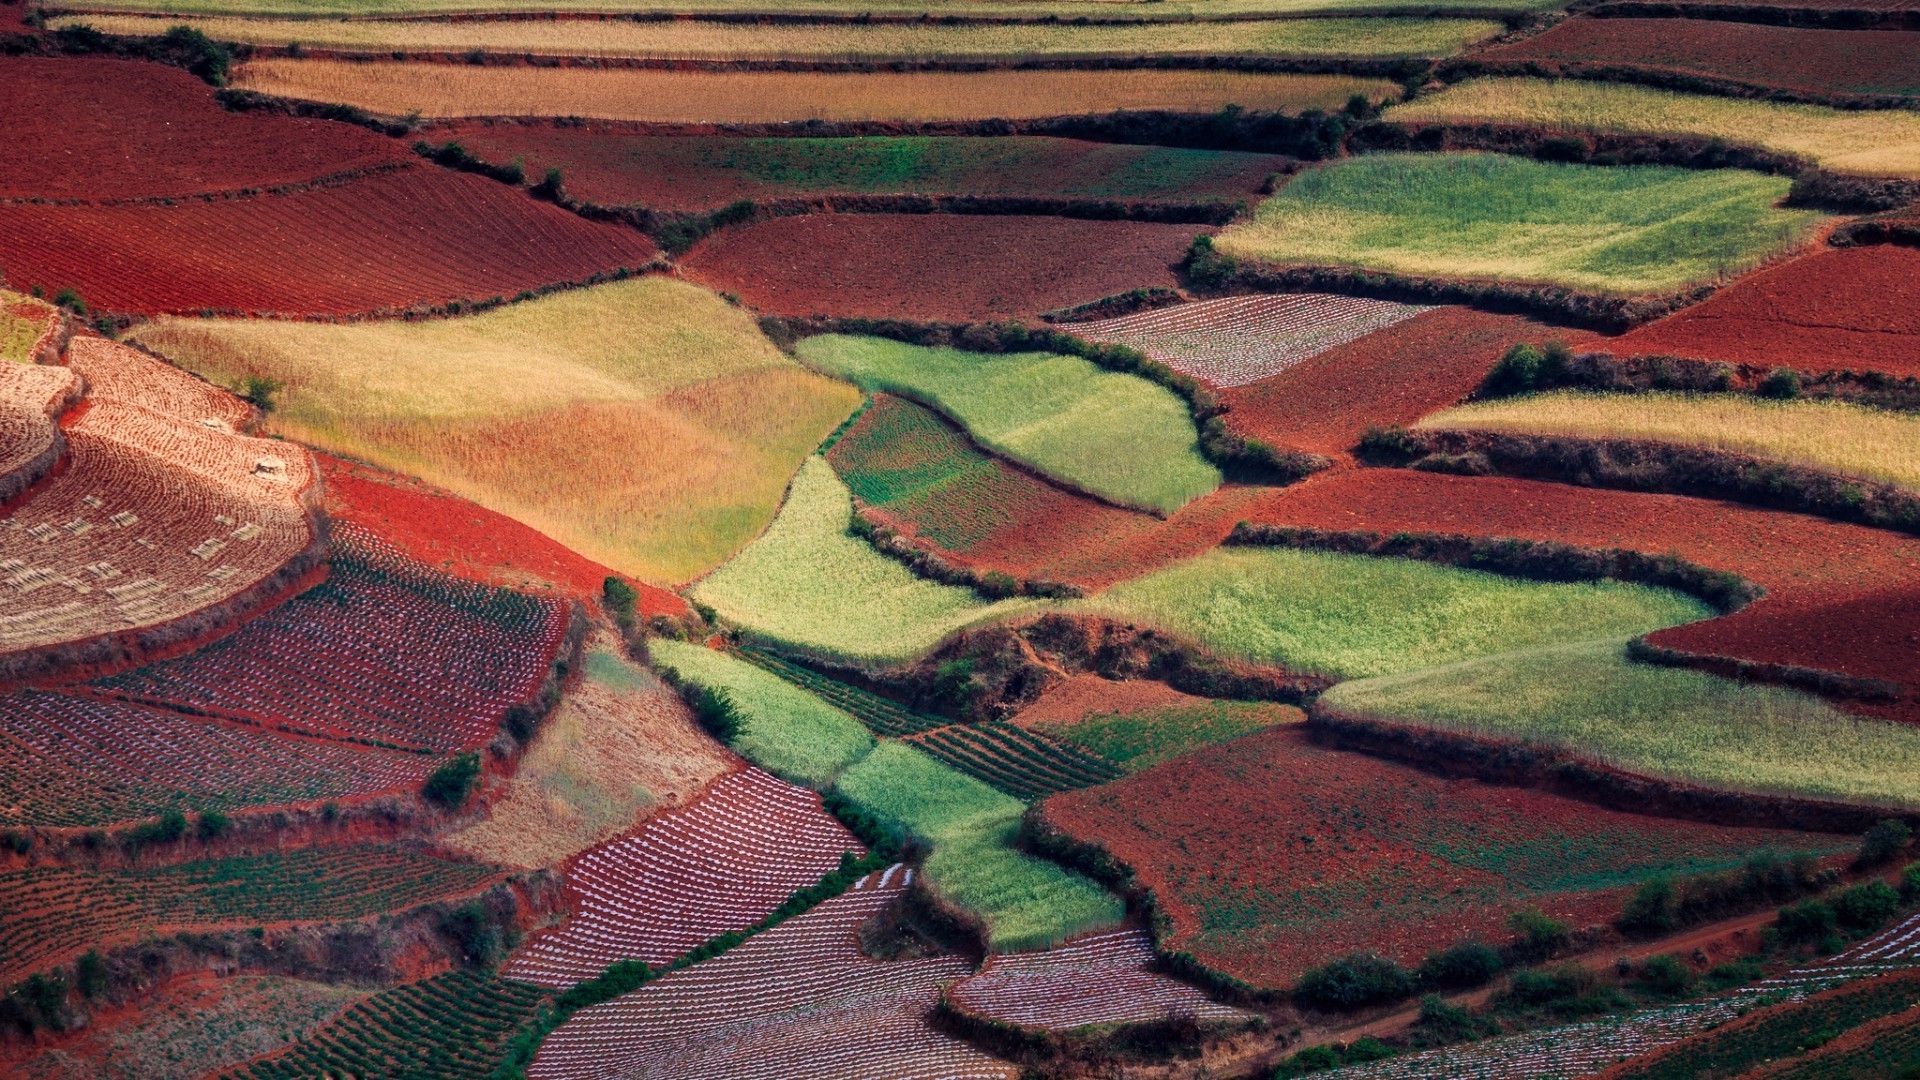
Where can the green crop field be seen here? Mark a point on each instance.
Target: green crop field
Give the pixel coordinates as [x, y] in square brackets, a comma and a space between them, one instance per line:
[1591, 701]
[538, 410]
[1144, 10]
[1875, 142]
[1143, 739]
[1627, 230]
[1117, 436]
[787, 731]
[1850, 439]
[808, 583]
[1355, 616]
[1025, 902]
[681, 39]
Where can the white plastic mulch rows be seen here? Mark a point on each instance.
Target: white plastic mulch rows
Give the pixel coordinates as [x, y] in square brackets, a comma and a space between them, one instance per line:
[723, 863]
[1583, 1049]
[1242, 339]
[1099, 979]
[799, 1001]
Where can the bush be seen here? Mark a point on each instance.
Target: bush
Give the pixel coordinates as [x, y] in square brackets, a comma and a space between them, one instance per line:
[621, 600]
[69, 298]
[1813, 920]
[1206, 267]
[1650, 910]
[1665, 974]
[43, 997]
[201, 54]
[212, 825]
[90, 974]
[1467, 964]
[1909, 882]
[473, 933]
[17, 841]
[1353, 981]
[1327, 1056]
[1866, 907]
[552, 186]
[1537, 935]
[259, 391]
[165, 829]
[1389, 444]
[1441, 1021]
[1781, 384]
[715, 710]
[450, 784]
[1883, 842]
[1734, 973]
[1566, 989]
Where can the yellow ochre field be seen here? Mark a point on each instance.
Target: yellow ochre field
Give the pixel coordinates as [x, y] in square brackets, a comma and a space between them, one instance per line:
[647, 424]
[747, 97]
[686, 39]
[1879, 143]
[1836, 436]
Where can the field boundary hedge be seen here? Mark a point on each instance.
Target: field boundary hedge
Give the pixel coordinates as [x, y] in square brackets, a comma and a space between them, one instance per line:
[1236, 456]
[1650, 373]
[1141, 1042]
[1458, 68]
[1862, 233]
[1782, 14]
[523, 718]
[1829, 684]
[1558, 772]
[1671, 468]
[931, 562]
[318, 183]
[1532, 560]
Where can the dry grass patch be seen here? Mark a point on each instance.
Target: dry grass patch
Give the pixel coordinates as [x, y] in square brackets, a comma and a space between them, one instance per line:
[1869, 142]
[1161, 9]
[22, 322]
[687, 40]
[646, 424]
[620, 747]
[748, 97]
[1869, 443]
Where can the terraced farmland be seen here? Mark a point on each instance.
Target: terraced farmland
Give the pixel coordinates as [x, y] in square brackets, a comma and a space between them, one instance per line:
[26, 324]
[1099, 979]
[1640, 229]
[1017, 762]
[882, 716]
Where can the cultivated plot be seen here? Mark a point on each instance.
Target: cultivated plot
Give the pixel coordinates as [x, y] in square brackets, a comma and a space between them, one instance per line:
[780, 727]
[1105, 978]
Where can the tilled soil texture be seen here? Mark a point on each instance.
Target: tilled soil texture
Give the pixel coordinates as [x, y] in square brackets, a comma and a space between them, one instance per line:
[418, 236]
[935, 266]
[918, 475]
[1846, 309]
[1086, 695]
[98, 129]
[609, 165]
[468, 540]
[1391, 376]
[1805, 563]
[1872, 636]
[1816, 61]
[1271, 854]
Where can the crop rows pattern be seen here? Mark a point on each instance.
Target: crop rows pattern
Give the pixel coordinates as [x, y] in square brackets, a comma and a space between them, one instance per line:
[385, 650]
[418, 235]
[1098, 979]
[27, 392]
[723, 863]
[1564, 1053]
[883, 717]
[75, 760]
[53, 912]
[1018, 762]
[1242, 339]
[800, 1000]
[162, 511]
[450, 1027]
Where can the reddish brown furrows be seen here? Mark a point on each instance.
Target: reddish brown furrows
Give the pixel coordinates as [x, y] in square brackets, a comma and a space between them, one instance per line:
[1817, 61]
[417, 236]
[97, 129]
[935, 266]
[1843, 309]
[1391, 376]
[1271, 854]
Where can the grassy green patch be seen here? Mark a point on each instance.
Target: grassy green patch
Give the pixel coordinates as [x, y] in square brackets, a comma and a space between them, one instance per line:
[22, 321]
[1118, 436]
[1144, 739]
[906, 460]
[1589, 699]
[1026, 903]
[807, 582]
[1355, 616]
[1636, 229]
[787, 732]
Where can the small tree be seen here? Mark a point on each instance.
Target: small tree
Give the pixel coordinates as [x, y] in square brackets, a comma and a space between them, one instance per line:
[90, 974]
[1469, 963]
[69, 298]
[1665, 974]
[621, 600]
[1883, 842]
[450, 784]
[259, 390]
[1537, 935]
[213, 824]
[1781, 384]
[1353, 981]
[1651, 908]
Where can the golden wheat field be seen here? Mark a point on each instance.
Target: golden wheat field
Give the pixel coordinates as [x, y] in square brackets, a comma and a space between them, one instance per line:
[1832, 435]
[1883, 142]
[647, 423]
[748, 97]
[689, 40]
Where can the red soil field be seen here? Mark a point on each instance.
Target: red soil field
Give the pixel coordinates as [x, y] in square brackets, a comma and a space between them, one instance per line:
[1813, 569]
[935, 266]
[1819, 61]
[421, 235]
[1391, 376]
[1854, 309]
[1271, 854]
[92, 129]
[612, 165]
[467, 540]
[1105, 978]
[1084, 695]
